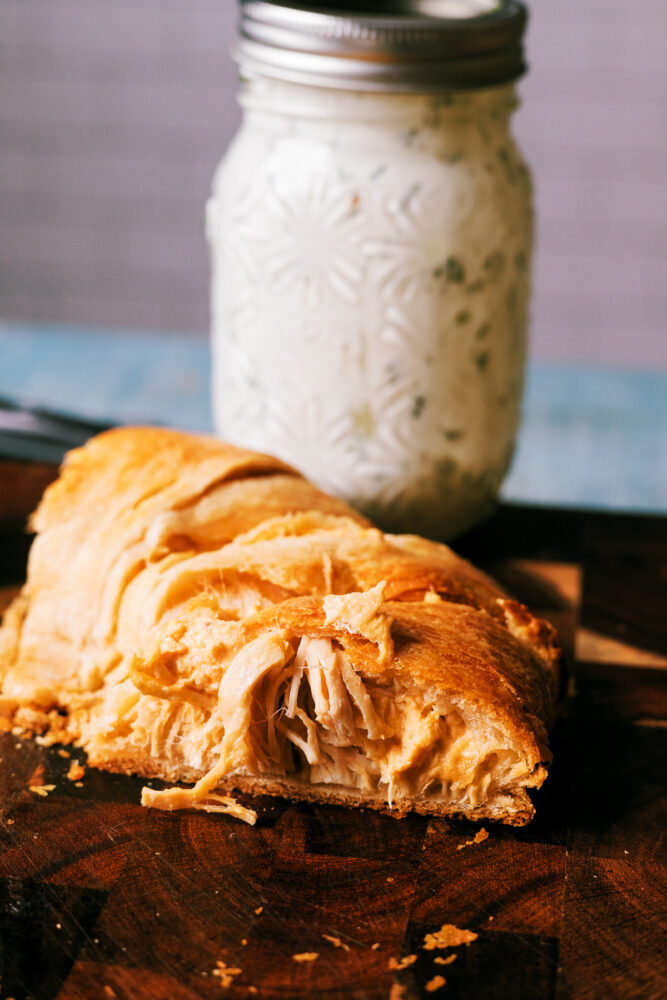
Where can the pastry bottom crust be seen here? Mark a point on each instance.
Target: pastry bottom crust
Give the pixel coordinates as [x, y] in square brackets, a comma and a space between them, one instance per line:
[513, 809]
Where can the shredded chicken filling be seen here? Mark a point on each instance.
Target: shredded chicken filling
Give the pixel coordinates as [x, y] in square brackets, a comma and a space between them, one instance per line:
[302, 713]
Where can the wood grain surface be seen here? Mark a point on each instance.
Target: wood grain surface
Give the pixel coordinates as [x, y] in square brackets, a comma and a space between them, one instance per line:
[100, 898]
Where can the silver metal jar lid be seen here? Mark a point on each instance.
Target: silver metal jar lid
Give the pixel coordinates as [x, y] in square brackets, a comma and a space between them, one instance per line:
[390, 45]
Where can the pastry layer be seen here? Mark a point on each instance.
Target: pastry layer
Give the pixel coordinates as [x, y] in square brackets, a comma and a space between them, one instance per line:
[203, 614]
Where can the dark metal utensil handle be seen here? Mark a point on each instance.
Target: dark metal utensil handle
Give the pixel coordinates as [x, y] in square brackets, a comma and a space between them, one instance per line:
[36, 434]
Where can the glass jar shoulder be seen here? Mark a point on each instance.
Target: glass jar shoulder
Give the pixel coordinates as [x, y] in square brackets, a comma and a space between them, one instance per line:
[327, 130]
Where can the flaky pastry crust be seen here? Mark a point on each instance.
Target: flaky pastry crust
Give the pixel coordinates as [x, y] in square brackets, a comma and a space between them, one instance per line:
[199, 613]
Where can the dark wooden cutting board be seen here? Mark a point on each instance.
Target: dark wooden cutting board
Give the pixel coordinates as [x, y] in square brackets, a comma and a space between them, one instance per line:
[100, 898]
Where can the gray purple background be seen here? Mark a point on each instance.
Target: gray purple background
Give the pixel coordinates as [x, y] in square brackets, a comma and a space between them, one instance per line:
[113, 114]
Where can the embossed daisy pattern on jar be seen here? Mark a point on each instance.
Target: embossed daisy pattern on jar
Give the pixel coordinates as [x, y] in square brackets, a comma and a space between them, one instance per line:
[371, 243]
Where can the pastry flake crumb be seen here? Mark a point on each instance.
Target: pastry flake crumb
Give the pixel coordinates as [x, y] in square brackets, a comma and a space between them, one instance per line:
[336, 942]
[109, 991]
[479, 838]
[76, 771]
[445, 961]
[252, 990]
[244, 941]
[397, 992]
[225, 974]
[448, 937]
[374, 947]
[47, 739]
[42, 790]
[306, 956]
[435, 984]
[65, 753]
[258, 910]
[396, 964]
[37, 776]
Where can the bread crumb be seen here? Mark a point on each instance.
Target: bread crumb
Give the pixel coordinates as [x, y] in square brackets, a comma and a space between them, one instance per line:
[78, 784]
[66, 753]
[448, 937]
[109, 991]
[225, 974]
[374, 947]
[252, 989]
[336, 942]
[390, 879]
[76, 771]
[479, 838]
[42, 790]
[435, 984]
[445, 961]
[397, 992]
[260, 909]
[396, 964]
[306, 956]
[244, 941]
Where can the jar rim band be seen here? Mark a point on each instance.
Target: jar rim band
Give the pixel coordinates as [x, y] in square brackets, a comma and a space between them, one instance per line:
[394, 47]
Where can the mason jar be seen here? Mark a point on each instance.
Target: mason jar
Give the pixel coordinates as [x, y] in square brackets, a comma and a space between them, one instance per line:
[371, 231]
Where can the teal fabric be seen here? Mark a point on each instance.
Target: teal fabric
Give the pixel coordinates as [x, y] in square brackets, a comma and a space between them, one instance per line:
[591, 437]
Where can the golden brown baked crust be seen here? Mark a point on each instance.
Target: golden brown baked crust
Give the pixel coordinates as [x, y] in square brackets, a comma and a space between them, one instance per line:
[200, 613]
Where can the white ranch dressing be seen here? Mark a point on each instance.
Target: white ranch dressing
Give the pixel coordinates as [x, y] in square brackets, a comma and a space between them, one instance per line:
[370, 280]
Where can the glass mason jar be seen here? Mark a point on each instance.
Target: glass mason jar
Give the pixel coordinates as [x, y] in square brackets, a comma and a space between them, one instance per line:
[371, 233]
